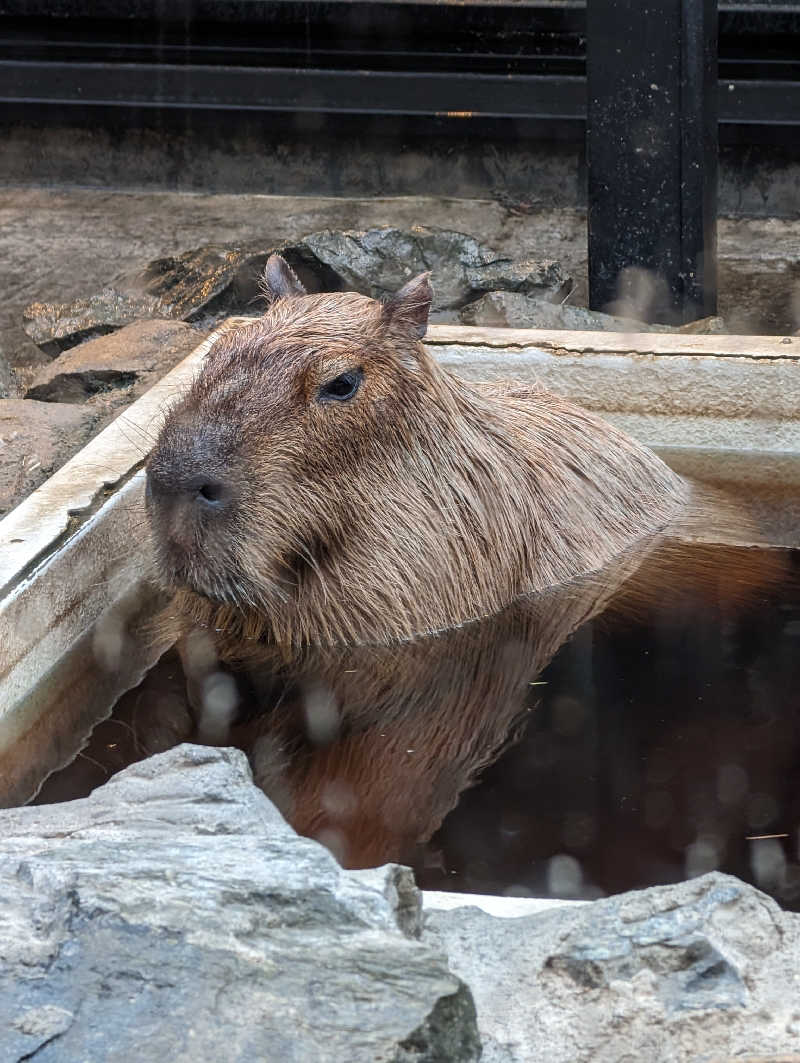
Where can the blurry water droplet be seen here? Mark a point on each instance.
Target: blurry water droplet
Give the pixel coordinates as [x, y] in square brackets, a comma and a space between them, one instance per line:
[339, 799]
[335, 841]
[564, 876]
[219, 701]
[518, 891]
[768, 863]
[108, 642]
[321, 713]
[703, 855]
[199, 655]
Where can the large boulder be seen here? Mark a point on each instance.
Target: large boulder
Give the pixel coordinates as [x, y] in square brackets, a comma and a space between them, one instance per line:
[378, 262]
[174, 915]
[703, 970]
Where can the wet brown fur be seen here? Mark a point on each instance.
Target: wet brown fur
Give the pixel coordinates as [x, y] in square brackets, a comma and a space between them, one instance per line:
[423, 503]
[407, 728]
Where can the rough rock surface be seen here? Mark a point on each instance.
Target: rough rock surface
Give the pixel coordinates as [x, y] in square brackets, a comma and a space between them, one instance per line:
[705, 326]
[209, 282]
[135, 355]
[514, 309]
[59, 244]
[529, 276]
[702, 970]
[183, 287]
[6, 378]
[379, 261]
[55, 327]
[36, 438]
[174, 915]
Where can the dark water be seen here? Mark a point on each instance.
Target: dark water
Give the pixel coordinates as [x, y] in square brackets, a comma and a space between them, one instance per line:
[658, 749]
[633, 729]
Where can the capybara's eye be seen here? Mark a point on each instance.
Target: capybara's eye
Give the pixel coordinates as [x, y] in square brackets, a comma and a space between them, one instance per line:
[342, 387]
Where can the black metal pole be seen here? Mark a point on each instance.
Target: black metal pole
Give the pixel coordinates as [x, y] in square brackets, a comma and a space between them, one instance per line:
[651, 145]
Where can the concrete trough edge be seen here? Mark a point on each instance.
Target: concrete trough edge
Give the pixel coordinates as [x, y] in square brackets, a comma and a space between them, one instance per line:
[53, 589]
[658, 384]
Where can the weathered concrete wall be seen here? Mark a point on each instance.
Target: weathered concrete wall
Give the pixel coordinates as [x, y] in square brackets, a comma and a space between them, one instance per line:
[304, 155]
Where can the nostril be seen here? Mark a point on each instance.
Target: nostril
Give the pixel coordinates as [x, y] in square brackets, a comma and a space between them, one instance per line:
[208, 492]
[211, 492]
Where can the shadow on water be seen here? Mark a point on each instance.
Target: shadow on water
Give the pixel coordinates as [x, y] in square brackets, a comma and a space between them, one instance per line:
[632, 728]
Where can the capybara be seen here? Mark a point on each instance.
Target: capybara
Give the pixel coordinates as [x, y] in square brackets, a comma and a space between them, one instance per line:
[325, 482]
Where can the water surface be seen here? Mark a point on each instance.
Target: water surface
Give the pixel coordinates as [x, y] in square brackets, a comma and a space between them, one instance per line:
[634, 728]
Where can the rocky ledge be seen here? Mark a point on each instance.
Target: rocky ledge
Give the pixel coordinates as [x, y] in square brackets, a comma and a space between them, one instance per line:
[174, 915]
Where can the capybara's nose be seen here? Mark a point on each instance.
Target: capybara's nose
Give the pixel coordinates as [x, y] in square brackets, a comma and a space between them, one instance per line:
[203, 493]
[208, 492]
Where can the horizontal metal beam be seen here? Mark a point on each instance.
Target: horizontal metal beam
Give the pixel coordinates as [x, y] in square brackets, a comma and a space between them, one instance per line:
[277, 89]
[457, 94]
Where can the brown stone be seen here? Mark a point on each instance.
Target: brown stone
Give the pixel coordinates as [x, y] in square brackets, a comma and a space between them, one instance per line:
[705, 326]
[128, 360]
[35, 439]
[198, 283]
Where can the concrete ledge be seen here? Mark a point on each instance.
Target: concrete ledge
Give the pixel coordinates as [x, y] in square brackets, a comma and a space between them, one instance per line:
[724, 392]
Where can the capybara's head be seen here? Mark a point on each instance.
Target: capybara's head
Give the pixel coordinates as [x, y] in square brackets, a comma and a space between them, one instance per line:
[259, 474]
[325, 480]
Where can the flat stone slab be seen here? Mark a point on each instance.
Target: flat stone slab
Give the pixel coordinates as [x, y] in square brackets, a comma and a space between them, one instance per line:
[174, 915]
[137, 354]
[703, 970]
[35, 439]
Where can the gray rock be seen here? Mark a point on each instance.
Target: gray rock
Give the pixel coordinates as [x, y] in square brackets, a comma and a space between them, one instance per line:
[377, 262]
[694, 971]
[174, 915]
[528, 276]
[508, 309]
[55, 327]
[515, 310]
[137, 354]
[36, 438]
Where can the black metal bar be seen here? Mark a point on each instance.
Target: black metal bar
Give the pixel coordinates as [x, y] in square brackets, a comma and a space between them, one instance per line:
[697, 280]
[560, 98]
[652, 150]
[345, 91]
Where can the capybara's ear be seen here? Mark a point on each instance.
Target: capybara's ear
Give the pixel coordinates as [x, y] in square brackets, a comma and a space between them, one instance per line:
[280, 280]
[411, 305]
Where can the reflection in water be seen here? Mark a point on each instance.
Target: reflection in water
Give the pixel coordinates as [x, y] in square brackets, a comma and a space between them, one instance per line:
[665, 732]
